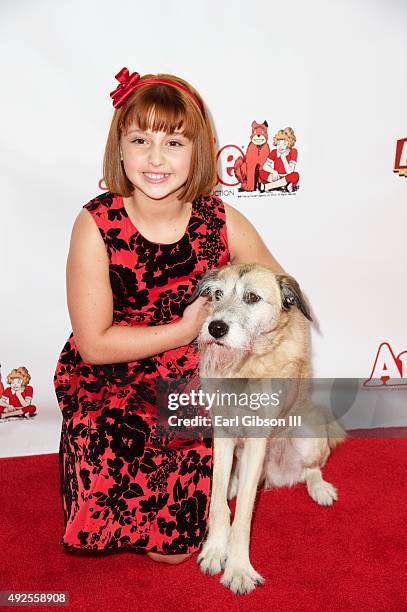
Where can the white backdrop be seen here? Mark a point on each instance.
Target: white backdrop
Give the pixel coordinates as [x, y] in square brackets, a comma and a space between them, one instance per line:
[333, 71]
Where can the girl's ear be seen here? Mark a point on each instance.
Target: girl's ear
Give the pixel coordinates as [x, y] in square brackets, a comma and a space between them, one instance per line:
[204, 286]
[291, 294]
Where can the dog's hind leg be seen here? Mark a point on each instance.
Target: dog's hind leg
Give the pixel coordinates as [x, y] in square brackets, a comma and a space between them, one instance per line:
[234, 478]
[213, 555]
[323, 492]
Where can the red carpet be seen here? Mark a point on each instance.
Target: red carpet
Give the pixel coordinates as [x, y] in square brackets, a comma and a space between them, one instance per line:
[351, 556]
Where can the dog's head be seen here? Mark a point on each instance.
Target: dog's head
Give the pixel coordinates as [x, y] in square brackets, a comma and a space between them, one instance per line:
[248, 302]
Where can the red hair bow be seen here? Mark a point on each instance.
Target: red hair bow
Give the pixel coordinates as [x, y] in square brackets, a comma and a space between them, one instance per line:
[128, 82]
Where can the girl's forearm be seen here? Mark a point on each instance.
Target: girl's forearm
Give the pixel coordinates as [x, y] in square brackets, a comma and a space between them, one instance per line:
[121, 344]
[287, 166]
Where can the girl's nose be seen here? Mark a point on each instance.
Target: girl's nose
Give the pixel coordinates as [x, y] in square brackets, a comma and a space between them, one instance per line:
[155, 154]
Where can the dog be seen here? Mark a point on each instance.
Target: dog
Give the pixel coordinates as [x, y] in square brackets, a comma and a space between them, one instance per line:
[258, 327]
[247, 166]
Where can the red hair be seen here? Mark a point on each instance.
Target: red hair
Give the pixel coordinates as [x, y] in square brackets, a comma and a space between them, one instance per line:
[160, 107]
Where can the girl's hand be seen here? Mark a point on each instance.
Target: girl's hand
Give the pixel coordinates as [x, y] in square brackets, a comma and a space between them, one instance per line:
[194, 316]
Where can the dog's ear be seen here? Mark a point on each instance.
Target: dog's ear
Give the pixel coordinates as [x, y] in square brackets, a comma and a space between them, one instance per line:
[204, 286]
[291, 294]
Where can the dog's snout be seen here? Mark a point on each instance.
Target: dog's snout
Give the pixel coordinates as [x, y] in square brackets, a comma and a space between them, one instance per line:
[217, 329]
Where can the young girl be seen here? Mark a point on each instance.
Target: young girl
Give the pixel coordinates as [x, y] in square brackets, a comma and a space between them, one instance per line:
[136, 254]
[278, 169]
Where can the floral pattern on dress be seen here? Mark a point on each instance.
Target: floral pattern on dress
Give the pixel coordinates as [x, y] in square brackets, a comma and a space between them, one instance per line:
[123, 484]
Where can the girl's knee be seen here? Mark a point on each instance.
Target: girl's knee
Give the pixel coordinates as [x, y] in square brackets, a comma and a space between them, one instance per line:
[171, 559]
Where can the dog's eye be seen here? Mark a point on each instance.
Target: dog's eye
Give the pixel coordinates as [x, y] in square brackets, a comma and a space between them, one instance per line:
[251, 298]
[218, 294]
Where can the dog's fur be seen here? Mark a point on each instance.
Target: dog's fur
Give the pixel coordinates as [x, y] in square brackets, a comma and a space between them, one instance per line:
[265, 338]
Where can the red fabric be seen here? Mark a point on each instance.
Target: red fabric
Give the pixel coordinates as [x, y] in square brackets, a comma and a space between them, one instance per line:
[293, 178]
[15, 402]
[12, 397]
[122, 483]
[349, 557]
[278, 164]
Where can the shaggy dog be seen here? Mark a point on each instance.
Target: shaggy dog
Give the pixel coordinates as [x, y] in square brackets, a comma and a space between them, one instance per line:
[258, 328]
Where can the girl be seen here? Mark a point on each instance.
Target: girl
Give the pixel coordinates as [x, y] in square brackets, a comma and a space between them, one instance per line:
[136, 254]
[278, 170]
[16, 399]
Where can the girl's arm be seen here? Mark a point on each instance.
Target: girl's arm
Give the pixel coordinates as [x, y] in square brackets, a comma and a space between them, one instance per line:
[288, 166]
[268, 165]
[23, 400]
[90, 305]
[245, 244]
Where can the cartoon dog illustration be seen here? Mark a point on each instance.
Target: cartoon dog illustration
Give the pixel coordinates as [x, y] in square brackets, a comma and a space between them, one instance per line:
[247, 167]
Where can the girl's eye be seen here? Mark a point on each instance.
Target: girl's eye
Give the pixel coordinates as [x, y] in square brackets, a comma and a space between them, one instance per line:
[171, 141]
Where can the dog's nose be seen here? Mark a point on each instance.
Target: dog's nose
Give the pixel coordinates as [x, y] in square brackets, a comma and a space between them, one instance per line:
[217, 329]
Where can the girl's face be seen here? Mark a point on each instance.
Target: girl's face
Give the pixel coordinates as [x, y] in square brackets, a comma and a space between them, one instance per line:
[156, 163]
[282, 144]
[16, 383]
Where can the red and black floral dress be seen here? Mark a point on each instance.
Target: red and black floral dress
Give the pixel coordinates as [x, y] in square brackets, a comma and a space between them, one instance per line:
[121, 485]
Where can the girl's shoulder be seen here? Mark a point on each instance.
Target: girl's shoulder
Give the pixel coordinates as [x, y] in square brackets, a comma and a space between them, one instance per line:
[211, 204]
[106, 200]
[107, 208]
[100, 203]
[101, 209]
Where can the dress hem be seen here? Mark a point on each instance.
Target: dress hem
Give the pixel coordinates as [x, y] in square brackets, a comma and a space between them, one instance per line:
[72, 548]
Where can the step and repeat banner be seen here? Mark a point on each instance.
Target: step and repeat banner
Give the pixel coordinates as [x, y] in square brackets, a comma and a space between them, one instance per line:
[310, 94]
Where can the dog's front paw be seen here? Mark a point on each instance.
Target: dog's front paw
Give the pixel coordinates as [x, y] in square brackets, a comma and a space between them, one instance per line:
[324, 493]
[212, 557]
[241, 579]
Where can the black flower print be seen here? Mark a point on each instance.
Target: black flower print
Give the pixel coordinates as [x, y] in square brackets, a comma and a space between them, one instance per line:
[125, 481]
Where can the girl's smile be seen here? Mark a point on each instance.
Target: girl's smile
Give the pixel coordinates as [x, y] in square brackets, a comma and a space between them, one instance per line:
[155, 177]
[156, 163]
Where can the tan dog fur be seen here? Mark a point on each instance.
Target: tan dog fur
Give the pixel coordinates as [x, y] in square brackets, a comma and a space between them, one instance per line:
[277, 346]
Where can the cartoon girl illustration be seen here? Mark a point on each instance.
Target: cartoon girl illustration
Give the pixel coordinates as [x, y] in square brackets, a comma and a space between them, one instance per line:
[278, 170]
[16, 399]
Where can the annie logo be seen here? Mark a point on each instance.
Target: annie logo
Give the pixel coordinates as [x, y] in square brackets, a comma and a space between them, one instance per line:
[388, 370]
[400, 161]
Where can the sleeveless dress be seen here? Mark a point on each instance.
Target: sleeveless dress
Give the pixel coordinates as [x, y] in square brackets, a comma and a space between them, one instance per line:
[121, 485]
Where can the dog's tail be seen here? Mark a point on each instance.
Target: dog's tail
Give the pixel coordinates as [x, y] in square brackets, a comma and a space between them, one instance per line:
[330, 426]
[336, 433]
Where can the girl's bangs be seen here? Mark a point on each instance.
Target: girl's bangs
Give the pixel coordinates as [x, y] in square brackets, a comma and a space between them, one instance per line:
[156, 115]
